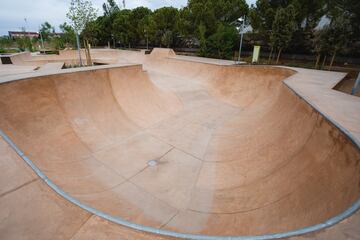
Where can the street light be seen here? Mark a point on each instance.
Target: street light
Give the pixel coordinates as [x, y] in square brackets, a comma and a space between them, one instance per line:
[113, 38]
[147, 39]
[241, 31]
[42, 40]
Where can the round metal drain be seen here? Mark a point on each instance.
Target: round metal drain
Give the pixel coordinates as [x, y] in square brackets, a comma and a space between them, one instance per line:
[152, 163]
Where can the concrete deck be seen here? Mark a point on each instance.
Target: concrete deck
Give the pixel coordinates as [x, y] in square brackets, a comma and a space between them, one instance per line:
[183, 146]
[8, 69]
[205, 60]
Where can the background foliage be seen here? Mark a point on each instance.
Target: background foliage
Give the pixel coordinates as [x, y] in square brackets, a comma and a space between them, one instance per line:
[322, 27]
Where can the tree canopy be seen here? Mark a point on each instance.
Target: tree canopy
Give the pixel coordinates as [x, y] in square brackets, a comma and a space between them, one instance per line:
[81, 12]
[323, 27]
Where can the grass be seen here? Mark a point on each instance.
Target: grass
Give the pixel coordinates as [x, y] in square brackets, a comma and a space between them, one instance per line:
[69, 66]
[8, 50]
[354, 68]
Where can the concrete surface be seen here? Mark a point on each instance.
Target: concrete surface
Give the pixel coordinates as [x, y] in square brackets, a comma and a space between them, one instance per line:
[8, 69]
[234, 150]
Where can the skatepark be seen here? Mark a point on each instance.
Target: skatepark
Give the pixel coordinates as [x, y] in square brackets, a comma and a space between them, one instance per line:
[162, 146]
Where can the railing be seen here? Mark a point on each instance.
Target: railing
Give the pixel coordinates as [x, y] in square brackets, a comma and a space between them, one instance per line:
[356, 85]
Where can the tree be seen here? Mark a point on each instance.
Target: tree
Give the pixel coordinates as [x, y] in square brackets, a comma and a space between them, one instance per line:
[283, 29]
[261, 18]
[81, 12]
[110, 8]
[308, 15]
[5, 42]
[139, 20]
[122, 27]
[222, 42]
[338, 34]
[184, 24]
[45, 30]
[24, 43]
[68, 35]
[320, 45]
[165, 20]
[105, 25]
[92, 32]
[350, 9]
[167, 38]
[202, 40]
[147, 29]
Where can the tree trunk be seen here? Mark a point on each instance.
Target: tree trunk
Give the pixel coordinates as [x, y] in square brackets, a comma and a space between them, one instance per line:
[332, 60]
[317, 61]
[278, 56]
[88, 47]
[79, 48]
[324, 61]
[86, 53]
[271, 52]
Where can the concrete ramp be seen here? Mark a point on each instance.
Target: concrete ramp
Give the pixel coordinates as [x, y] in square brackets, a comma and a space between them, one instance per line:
[162, 53]
[186, 147]
[51, 67]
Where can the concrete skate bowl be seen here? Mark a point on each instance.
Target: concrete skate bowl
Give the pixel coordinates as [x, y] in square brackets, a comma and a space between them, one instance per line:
[185, 149]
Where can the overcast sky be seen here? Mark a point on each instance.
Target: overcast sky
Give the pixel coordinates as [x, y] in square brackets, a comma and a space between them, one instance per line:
[13, 12]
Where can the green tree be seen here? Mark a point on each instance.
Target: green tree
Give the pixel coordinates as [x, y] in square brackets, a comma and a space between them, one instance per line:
[318, 46]
[110, 8]
[24, 43]
[81, 12]
[92, 32]
[167, 38]
[184, 24]
[122, 27]
[283, 28]
[147, 29]
[45, 30]
[338, 35]
[68, 35]
[350, 9]
[212, 12]
[222, 43]
[5, 42]
[165, 21]
[202, 40]
[262, 17]
[104, 24]
[308, 15]
[139, 20]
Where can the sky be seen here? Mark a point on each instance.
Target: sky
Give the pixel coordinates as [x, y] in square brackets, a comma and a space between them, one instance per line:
[14, 12]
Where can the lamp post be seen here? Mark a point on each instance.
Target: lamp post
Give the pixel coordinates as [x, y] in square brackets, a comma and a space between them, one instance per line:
[241, 30]
[113, 38]
[79, 47]
[356, 85]
[147, 39]
[42, 40]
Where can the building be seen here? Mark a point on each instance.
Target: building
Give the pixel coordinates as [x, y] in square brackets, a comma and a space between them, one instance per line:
[17, 34]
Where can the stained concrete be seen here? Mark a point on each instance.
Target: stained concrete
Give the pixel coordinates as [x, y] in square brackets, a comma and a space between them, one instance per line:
[240, 150]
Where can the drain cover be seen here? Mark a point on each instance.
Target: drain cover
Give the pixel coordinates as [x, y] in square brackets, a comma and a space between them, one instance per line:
[152, 163]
